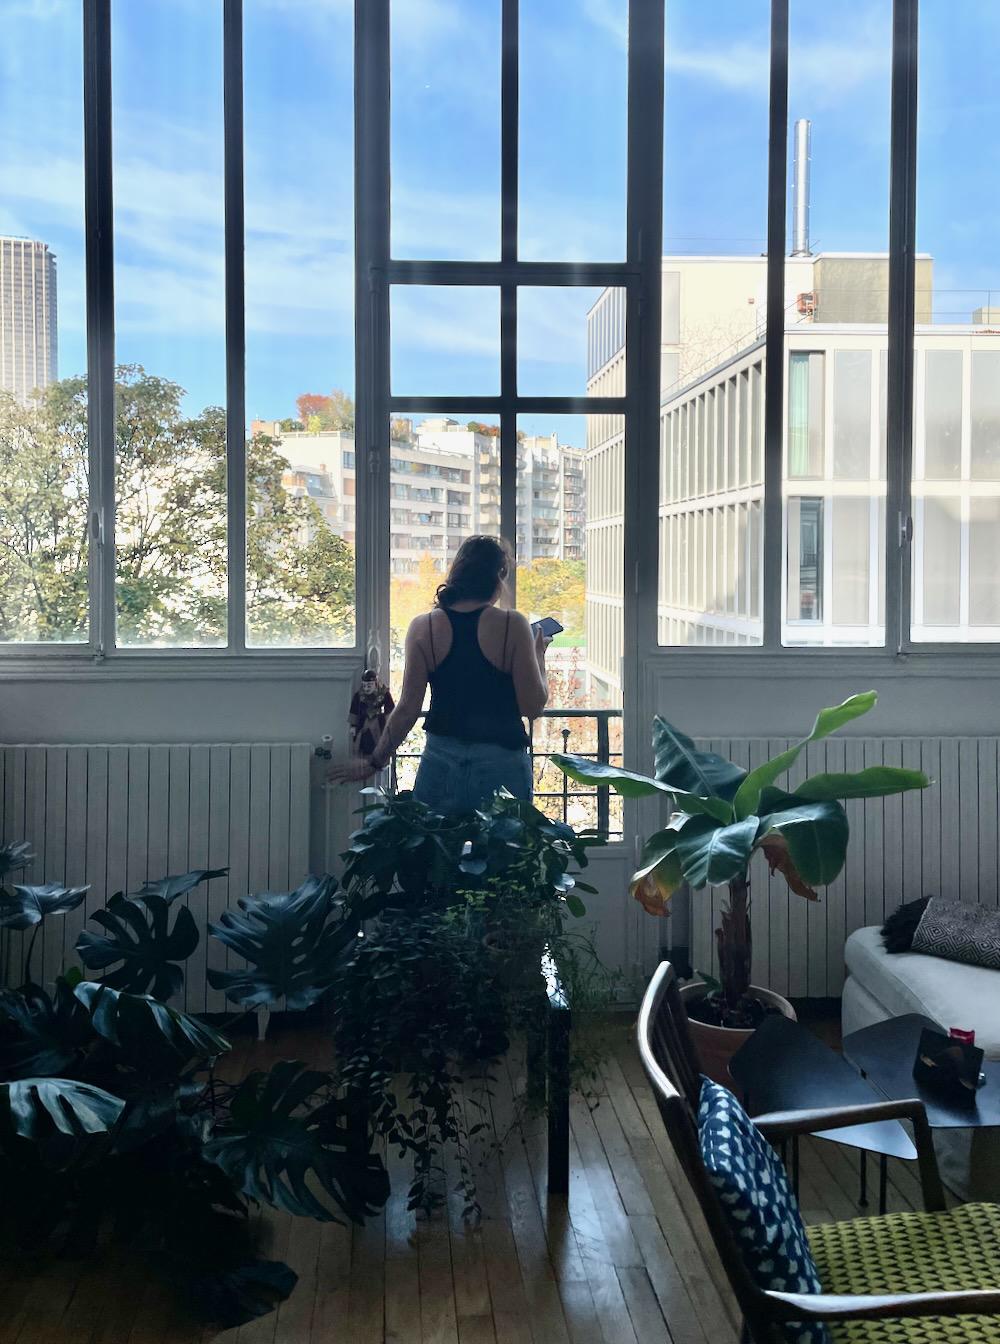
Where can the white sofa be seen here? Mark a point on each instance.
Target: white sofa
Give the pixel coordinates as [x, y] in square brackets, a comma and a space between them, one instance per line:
[881, 985]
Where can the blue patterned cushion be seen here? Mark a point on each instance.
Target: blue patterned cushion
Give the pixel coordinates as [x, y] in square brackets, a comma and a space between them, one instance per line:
[759, 1203]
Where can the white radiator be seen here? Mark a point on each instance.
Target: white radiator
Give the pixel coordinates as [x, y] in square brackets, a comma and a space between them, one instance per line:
[113, 816]
[939, 841]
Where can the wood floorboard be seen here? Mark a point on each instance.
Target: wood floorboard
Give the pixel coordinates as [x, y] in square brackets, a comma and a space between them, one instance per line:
[625, 1259]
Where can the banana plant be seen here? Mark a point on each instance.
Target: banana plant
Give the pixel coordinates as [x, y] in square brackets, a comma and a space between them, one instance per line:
[721, 815]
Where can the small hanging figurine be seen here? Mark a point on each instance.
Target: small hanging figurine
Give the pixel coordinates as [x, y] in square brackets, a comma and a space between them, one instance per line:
[371, 706]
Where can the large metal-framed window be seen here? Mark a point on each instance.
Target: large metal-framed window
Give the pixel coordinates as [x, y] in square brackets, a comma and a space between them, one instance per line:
[378, 273]
[381, 276]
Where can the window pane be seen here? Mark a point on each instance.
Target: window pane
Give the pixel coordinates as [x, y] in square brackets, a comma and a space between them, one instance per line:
[300, 326]
[940, 551]
[805, 415]
[805, 561]
[570, 565]
[570, 341]
[713, 315]
[985, 415]
[170, 323]
[445, 340]
[573, 75]
[942, 415]
[984, 572]
[851, 551]
[445, 126]
[43, 421]
[852, 423]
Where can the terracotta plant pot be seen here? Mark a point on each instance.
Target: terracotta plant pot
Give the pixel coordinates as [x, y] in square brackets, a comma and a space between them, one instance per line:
[717, 1045]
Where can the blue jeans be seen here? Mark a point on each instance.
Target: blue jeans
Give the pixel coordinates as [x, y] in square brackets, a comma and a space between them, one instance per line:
[458, 776]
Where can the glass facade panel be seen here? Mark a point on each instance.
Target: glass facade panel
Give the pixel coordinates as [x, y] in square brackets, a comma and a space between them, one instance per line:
[852, 424]
[942, 415]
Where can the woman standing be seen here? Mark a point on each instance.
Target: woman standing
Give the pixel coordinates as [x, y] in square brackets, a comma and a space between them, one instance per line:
[486, 670]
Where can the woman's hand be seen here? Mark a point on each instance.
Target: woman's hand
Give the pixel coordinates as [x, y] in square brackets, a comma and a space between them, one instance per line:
[542, 643]
[351, 772]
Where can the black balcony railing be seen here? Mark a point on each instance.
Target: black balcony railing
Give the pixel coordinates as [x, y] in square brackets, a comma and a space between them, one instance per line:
[593, 733]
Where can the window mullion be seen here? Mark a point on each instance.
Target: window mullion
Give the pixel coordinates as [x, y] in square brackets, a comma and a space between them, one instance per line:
[774, 373]
[236, 474]
[371, 232]
[98, 226]
[899, 373]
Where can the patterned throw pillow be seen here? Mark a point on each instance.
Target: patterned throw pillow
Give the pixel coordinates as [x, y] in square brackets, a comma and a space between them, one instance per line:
[759, 1204]
[959, 931]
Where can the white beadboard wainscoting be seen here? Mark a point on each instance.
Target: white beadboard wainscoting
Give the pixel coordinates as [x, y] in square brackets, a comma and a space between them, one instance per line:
[941, 841]
[113, 816]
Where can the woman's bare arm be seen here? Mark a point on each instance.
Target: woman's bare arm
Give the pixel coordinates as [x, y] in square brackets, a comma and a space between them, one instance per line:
[402, 718]
[527, 666]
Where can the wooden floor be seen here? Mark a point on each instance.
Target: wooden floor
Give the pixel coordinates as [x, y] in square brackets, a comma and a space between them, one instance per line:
[624, 1261]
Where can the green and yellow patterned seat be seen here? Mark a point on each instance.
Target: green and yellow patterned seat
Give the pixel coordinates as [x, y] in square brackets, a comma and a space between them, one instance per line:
[912, 1253]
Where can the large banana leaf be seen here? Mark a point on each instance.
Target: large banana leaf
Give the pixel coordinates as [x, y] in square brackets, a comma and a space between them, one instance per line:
[878, 781]
[711, 855]
[632, 785]
[659, 873]
[827, 721]
[679, 763]
[277, 1152]
[37, 1108]
[139, 937]
[169, 888]
[43, 1036]
[23, 907]
[145, 1027]
[290, 943]
[816, 835]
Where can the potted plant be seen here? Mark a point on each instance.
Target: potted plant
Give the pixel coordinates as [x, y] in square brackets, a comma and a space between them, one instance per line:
[721, 815]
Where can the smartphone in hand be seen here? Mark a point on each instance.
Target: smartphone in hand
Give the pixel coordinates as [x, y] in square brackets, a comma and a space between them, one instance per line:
[548, 625]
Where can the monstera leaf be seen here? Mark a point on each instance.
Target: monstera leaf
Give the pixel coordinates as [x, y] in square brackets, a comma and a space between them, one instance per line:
[42, 1036]
[169, 888]
[139, 937]
[37, 1108]
[290, 943]
[236, 1296]
[145, 1027]
[26, 906]
[278, 1153]
[15, 856]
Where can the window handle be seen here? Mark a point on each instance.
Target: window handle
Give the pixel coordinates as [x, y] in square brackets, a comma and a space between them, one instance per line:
[905, 530]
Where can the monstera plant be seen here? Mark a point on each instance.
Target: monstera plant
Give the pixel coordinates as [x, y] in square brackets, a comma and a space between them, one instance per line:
[114, 1110]
[721, 815]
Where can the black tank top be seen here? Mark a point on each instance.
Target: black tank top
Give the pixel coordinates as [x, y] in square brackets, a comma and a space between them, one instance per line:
[471, 699]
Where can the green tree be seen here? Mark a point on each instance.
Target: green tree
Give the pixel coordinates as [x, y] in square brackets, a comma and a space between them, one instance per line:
[550, 587]
[318, 412]
[170, 525]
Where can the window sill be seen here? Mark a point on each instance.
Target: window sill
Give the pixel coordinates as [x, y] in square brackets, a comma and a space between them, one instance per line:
[179, 665]
[965, 660]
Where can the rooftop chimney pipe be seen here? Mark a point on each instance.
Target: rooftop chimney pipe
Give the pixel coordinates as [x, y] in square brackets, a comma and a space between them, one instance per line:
[800, 190]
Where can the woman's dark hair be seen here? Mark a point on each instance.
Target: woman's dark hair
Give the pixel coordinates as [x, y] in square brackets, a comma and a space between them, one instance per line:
[480, 565]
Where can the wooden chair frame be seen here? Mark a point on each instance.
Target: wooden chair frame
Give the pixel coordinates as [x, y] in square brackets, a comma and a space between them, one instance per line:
[671, 1064]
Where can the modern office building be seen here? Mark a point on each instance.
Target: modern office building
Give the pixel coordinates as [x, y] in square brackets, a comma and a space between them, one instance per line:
[28, 338]
[834, 487]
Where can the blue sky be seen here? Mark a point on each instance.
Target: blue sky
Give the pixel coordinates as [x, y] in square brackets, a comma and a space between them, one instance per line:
[445, 162]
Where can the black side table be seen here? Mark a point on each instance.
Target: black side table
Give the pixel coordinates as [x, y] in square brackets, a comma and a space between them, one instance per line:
[885, 1054]
[784, 1067]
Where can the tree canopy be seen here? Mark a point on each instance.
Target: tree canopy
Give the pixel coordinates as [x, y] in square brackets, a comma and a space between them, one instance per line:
[319, 412]
[170, 526]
